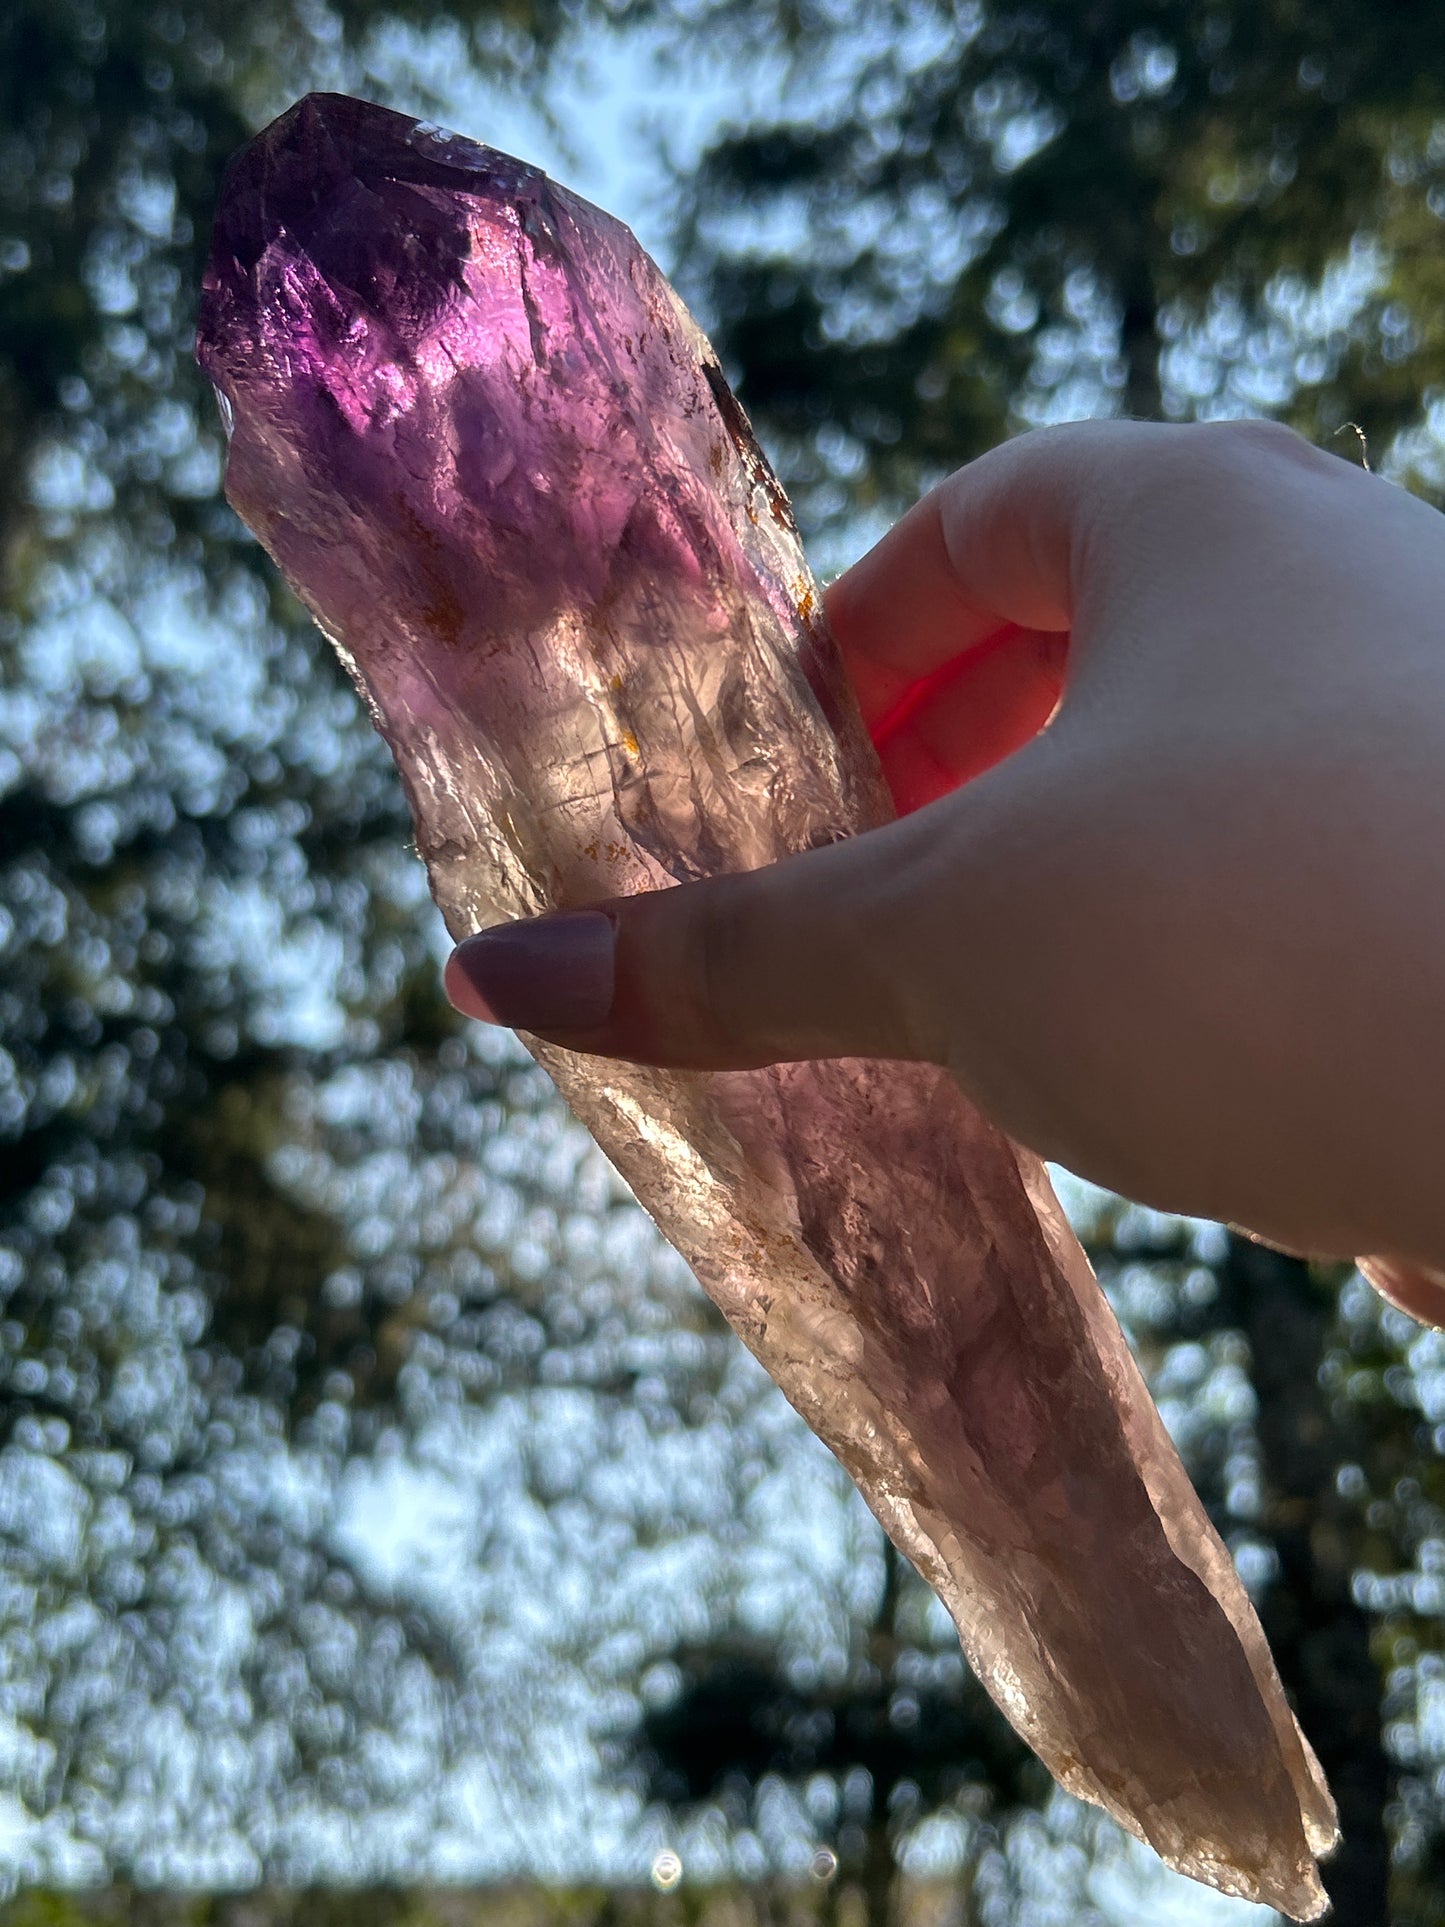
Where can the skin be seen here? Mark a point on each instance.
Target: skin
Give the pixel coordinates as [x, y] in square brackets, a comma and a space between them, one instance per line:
[1188, 938]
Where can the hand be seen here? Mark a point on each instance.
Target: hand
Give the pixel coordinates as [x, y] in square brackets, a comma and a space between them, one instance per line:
[1188, 939]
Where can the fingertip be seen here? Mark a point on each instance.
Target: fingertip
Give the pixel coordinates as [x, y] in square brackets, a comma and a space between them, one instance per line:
[971, 715]
[899, 613]
[463, 994]
[549, 973]
[930, 688]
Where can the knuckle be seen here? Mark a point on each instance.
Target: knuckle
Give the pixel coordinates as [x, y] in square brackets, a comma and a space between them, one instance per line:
[1219, 475]
[1259, 440]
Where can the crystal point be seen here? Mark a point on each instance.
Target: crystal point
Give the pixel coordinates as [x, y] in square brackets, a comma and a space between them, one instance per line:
[485, 443]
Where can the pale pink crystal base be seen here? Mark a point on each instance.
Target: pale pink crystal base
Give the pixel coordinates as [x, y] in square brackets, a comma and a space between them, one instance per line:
[488, 447]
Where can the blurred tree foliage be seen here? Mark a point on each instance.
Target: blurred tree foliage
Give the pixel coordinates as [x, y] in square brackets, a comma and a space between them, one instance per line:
[967, 217]
[262, 1208]
[900, 1734]
[725, 1904]
[266, 1214]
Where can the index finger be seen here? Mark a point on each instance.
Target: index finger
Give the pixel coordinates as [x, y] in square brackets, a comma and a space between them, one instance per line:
[954, 627]
[987, 551]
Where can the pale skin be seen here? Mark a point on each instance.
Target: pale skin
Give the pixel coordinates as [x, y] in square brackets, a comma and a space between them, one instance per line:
[1188, 939]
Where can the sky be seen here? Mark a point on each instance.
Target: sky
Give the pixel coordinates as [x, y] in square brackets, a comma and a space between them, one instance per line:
[612, 102]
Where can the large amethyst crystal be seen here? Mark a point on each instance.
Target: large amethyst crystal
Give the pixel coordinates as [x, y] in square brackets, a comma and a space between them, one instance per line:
[489, 449]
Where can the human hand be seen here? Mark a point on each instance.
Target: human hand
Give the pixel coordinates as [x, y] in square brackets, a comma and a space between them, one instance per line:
[1190, 939]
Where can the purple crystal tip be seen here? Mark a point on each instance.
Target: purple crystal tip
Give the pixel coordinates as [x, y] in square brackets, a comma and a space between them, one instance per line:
[367, 199]
[361, 193]
[441, 373]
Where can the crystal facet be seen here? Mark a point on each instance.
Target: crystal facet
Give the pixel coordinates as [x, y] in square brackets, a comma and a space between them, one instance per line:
[490, 450]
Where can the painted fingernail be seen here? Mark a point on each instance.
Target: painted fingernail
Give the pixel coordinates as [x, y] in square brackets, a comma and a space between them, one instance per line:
[550, 973]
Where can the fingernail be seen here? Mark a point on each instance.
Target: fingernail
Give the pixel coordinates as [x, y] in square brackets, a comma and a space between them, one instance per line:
[550, 973]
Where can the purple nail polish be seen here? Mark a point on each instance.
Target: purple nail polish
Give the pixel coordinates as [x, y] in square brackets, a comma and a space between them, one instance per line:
[550, 973]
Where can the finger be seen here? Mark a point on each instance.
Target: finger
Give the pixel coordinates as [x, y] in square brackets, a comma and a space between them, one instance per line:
[955, 627]
[970, 714]
[818, 956]
[900, 618]
[988, 549]
[1045, 533]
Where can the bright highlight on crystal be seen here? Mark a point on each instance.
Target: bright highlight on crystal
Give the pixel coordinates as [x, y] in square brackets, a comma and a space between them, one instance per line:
[484, 442]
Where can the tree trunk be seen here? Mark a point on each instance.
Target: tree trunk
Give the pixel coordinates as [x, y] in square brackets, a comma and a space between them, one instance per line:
[1320, 1637]
[1139, 346]
[878, 1874]
[878, 1868]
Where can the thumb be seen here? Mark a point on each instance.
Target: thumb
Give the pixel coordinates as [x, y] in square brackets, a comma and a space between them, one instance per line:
[820, 955]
